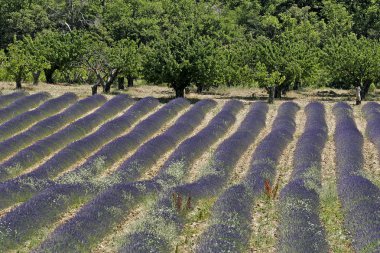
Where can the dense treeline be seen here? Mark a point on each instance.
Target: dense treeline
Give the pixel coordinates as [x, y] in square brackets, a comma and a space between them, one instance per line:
[277, 44]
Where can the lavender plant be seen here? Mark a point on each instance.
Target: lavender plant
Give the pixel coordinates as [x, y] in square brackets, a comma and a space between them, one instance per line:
[21, 105]
[24, 120]
[49, 125]
[229, 230]
[42, 148]
[126, 195]
[147, 236]
[360, 198]
[24, 186]
[58, 197]
[10, 98]
[300, 229]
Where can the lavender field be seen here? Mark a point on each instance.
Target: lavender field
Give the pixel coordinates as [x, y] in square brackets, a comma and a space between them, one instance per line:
[116, 174]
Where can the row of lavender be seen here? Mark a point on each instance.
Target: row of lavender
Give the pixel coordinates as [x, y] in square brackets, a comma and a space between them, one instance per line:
[24, 222]
[26, 119]
[230, 226]
[148, 237]
[22, 105]
[300, 229]
[29, 156]
[360, 198]
[97, 219]
[7, 99]
[49, 125]
[23, 187]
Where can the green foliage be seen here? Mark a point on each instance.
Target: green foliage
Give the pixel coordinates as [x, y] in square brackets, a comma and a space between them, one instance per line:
[22, 58]
[372, 88]
[352, 61]
[189, 50]
[284, 43]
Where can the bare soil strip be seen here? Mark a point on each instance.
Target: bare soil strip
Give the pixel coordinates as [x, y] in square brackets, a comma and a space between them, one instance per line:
[198, 217]
[42, 234]
[46, 158]
[371, 166]
[154, 170]
[9, 209]
[264, 211]
[331, 213]
[54, 131]
[111, 242]
[242, 166]
[126, 156]
[82, 161]
[196, 169]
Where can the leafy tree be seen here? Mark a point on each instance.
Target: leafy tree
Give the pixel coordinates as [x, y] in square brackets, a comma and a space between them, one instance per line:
[106, 62]
[353, 62]
[23, 59]
[338, 20]
[268, 79]
[181, 60]
[138, 20]
[62, 50]
[189, 50]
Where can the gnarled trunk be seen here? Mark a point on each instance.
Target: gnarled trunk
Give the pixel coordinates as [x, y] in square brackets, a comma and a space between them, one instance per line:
[18, 83]
[130, 81]
[179, 91]
[120, 83]
[49, 74]
[365, 89]
[110, 80]
[199, 89]
[271, 92]
[36, 77]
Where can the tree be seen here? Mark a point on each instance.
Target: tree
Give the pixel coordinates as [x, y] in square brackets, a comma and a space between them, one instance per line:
[268, 79]
[189, 49]
[22, 59]
[353, 61]
[108, 61]
[338, 20]
[62, 50]
[181, 60]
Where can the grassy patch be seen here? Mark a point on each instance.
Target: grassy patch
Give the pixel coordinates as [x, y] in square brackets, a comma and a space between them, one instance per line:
[333, 220]
[265, 217]
[196, 222]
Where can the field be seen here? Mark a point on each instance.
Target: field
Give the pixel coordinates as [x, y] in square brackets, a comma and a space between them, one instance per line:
[207, 174]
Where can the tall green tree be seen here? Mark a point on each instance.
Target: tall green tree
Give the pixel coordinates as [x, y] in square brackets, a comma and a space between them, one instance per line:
[108, 60]
[353, 62]
[189, 49]
[22, 59]
[62, 50]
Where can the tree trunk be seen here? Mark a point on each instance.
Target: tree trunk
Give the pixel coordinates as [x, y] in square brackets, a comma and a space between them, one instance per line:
[277, 92]
[94, 89]
[110, 80]
[49, 75]
[36, 77]
[365, 89]
[179, 92]
[120, 83]
[199, 89]
[18, 83]
[130, 81]
[271, 91]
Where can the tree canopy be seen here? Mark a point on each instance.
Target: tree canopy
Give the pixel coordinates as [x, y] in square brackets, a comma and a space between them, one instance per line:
[278, 45]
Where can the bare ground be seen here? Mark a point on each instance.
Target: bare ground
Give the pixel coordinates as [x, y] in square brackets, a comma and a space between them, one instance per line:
[331, 210]
[264, 214]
